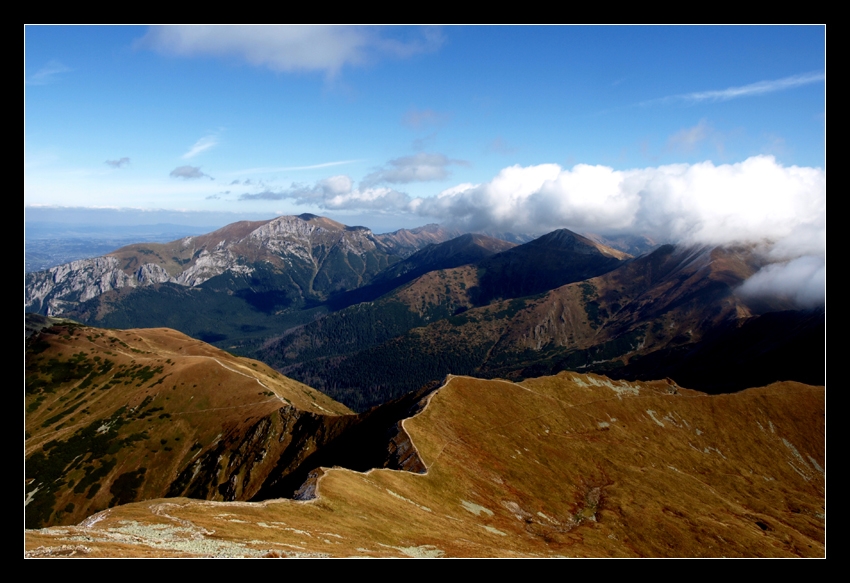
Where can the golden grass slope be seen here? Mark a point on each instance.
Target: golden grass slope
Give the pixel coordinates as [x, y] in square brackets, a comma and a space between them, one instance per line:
[118, 415]
[572, 465]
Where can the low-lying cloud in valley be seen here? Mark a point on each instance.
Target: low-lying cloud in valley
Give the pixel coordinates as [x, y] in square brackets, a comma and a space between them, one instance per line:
[802, 280]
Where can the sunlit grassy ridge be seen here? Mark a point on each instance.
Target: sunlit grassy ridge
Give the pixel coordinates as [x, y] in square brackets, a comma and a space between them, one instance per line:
[114, 416]
[572, 465]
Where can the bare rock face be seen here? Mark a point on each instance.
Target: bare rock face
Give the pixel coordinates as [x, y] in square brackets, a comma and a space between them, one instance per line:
[329, 256]
[54, 290]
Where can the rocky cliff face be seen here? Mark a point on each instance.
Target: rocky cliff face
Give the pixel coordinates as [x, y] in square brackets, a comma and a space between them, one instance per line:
[330, 255]
[240, 463]
[56, 289]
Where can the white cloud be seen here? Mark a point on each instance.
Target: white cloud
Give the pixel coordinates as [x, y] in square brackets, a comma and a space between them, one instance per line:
[291, 48]
[802, 280]
[758, 88]
[201, 145]
[782, 209]
[753, 200]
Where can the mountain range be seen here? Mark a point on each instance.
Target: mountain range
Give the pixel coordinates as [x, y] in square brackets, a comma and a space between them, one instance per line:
[336, 307]
[337, 348]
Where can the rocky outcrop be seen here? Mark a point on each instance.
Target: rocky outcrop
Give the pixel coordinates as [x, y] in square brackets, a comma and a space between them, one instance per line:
[242, 461]
[51, 292]
[329, 256]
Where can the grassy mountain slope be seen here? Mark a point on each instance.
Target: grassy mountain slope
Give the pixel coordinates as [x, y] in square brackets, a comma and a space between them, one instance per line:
[114, 416]
[651, 310]
[406, 242]
[322, 352]
[463, 250]
[550, 261]
[573, 465]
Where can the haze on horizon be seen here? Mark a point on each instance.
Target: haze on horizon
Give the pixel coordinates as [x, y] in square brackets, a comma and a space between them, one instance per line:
[696, 134]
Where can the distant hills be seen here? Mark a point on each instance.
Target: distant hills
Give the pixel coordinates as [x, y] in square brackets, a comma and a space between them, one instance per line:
[671, 313]
[421, 393]
[283, 262]
[248, 279]
[367, 318]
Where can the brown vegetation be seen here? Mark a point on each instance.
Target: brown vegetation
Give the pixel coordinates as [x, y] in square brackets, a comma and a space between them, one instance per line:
[572, 465]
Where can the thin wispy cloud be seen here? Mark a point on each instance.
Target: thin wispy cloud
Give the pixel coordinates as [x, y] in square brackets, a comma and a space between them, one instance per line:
[687, 139]
[419, 118]
[338, 193]
[267, 169]
[759, 88]
[201, 145]
[48, 74]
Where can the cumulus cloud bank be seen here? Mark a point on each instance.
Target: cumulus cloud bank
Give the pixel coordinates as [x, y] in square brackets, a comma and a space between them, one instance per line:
[754, 200]
[291, 48]
[757, 201]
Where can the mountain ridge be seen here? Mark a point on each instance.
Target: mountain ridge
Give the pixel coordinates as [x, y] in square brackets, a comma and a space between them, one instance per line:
[666, 304]
[114, 416]
[191, 261]
[571, 465]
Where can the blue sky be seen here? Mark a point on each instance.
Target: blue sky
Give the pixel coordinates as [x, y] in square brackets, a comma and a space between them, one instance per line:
[487, 127]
